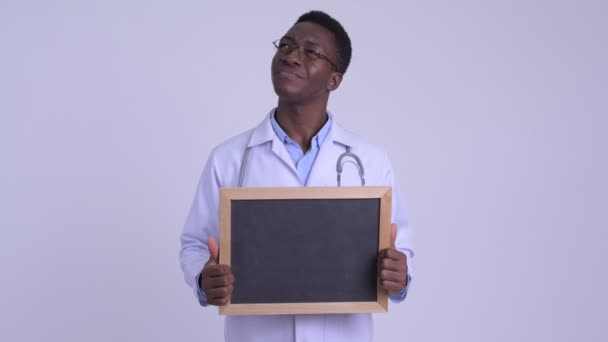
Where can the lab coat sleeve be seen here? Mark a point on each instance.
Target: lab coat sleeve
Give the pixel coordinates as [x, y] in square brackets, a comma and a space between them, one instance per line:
[404, 240]
[201, 223]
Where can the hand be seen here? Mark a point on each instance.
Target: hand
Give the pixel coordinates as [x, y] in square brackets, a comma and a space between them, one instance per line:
[216, 280]
[392, 266]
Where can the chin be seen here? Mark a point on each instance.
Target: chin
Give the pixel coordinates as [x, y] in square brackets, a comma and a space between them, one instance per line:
[285, 92]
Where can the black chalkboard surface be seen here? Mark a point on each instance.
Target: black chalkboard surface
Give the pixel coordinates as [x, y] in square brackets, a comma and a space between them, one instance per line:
[304, 250]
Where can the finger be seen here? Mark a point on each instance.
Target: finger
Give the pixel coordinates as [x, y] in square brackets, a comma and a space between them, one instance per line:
[393, 235]
[214, 250]
[382, 253]
[392, 276]
[391, 265]
[393, 254]
[219, 301]
[219, 293]
[216, 282]
[212, 270]
[392, 286]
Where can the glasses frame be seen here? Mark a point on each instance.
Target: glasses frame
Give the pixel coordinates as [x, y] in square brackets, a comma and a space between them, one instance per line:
[297, 47]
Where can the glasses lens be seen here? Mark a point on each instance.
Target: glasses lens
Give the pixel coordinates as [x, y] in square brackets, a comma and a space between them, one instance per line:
[284, 46]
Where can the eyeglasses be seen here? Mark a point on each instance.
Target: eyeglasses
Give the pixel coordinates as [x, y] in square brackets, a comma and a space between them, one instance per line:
[286, 47]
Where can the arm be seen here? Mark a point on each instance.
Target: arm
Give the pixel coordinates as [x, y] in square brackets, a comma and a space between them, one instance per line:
[201, 225]
[216, 280]
[395, 266]
[393, 270]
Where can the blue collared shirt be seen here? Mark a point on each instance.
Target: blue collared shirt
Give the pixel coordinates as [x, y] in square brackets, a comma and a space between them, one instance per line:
[302, 161]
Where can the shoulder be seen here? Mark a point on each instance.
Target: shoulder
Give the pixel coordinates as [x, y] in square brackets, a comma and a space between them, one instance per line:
[232, 145]
[358, 143]
[374, 159]
[238, 144]
[225, 159]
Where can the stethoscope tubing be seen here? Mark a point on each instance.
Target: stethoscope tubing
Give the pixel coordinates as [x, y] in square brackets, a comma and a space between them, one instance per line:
[339, 166]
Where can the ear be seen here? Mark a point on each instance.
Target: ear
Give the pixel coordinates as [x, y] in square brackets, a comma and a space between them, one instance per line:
[334, 81]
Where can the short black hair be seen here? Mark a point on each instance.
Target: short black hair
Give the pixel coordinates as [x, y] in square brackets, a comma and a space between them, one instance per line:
[340, 35]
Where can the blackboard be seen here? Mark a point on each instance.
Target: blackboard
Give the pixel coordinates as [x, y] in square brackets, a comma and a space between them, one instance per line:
[304, 250]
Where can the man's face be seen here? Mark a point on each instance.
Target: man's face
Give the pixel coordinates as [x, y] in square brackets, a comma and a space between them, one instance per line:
[301, 77]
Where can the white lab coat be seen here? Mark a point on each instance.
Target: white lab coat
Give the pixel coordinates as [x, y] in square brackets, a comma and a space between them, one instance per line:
[269, 165]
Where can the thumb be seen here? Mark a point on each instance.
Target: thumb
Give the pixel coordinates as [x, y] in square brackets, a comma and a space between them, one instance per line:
[214, 250]
[393, 234]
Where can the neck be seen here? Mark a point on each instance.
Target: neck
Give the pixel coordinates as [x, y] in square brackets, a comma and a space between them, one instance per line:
[301, 121]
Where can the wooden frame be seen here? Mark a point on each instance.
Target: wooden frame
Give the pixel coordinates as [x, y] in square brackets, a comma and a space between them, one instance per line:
[227, 195]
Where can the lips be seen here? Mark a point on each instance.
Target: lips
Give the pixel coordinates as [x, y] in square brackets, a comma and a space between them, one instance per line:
[288, 74]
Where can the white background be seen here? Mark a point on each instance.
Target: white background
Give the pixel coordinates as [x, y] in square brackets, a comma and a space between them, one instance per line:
[495, 114]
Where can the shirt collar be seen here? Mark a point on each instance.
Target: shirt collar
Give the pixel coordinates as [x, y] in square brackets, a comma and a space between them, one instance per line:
[335, 133]
[317, 140]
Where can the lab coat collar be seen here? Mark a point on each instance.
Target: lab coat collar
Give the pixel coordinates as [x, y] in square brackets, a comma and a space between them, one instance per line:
[264, 133]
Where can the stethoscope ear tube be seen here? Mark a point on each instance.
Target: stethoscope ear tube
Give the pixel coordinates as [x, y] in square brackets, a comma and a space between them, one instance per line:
[339, 165]
[243, 166]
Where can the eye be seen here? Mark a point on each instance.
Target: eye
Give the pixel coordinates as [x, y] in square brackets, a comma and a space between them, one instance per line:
[284, 46]
[313, 53]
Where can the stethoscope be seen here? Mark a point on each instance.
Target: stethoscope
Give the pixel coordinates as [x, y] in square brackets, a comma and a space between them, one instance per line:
[339, 165]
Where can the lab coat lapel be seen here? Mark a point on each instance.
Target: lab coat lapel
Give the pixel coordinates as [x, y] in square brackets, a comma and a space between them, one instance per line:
[323, 172]
[279, 149]
[264, 133]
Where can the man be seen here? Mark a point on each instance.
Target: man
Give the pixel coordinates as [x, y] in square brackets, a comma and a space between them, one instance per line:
[297, 144]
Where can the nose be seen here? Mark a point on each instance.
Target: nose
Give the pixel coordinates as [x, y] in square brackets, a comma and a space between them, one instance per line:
[293, 57]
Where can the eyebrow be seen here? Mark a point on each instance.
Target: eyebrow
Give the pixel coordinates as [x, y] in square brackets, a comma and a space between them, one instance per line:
[308, 41]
